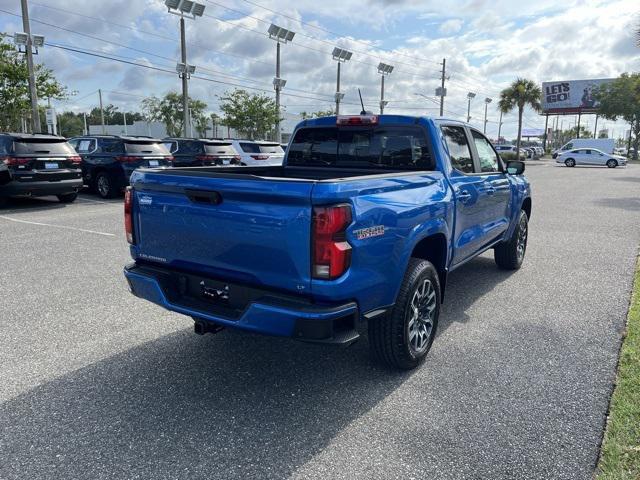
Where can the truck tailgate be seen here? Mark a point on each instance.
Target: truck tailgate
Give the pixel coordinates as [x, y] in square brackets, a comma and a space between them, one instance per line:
[239, 228]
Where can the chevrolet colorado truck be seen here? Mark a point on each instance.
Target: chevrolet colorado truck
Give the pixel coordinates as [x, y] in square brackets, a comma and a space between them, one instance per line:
[356, 232]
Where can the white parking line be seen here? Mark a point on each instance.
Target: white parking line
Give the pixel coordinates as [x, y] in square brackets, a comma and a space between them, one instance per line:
[58, 226]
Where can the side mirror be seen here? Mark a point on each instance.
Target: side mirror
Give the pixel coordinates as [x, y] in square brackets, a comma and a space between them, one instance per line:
[515, 168]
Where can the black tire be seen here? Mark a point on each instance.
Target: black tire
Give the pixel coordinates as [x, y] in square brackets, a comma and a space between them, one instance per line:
[570, 162]
[509, 255]
[390, 340]
[104, 186]
[611, 163]
[67, 197]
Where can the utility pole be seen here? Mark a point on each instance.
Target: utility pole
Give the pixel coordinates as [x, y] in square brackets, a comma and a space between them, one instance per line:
[544, 138]
[104, 129]
[443, 92]
[124, 115]
[595, 128]
[86, 130]
[381, 94]
[338, 91]
[578, 128]
[185, 86]
[35, 114]
[278, 133]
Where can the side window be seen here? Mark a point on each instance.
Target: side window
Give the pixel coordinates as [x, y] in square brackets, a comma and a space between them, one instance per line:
[112, 146]
[459, 150]
[488, 158]
[85, 145]
[569, 146]
[588, 152]
[74, 143]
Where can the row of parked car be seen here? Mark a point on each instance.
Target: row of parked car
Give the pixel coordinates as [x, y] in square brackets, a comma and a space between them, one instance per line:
[525, 152]
[40, 164]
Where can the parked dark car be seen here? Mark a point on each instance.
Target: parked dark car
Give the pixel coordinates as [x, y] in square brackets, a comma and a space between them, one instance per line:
[38, 165]
[201, 152]
[109, 160]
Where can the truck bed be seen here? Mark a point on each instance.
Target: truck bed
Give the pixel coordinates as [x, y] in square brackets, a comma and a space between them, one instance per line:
[282, 172]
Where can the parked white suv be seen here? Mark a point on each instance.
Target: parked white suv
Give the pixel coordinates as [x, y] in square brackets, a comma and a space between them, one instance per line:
[258, 153]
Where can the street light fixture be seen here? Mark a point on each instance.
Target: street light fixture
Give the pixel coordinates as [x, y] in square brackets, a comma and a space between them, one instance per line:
[192, 10]
[384, 70]
[20, 38]
[470, 96]
[487, 101]
[280, 35]
[340, 55]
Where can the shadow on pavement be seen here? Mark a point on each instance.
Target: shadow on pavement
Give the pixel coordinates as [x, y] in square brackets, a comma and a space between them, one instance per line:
[630, 203]
[226, 406]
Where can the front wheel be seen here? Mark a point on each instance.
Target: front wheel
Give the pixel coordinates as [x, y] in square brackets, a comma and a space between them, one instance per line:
[403, 336]
[570, 162]
[67, 197]
[509, 255]
[611, 163]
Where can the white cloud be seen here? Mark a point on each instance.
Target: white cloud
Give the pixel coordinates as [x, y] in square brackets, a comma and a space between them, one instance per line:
[453, 25]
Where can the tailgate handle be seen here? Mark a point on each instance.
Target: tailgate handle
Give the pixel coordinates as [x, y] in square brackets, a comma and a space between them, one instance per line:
[204, 196]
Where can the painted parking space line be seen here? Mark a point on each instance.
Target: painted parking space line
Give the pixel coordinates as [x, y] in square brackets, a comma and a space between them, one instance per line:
[65, 227]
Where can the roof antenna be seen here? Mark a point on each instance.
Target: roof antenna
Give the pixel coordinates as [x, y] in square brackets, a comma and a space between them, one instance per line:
[363, 112]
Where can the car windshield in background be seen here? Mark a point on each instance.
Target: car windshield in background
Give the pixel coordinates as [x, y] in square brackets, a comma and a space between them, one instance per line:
[44, 147]
[153, 148]
[383, 147]
[171, 146]
[219, 149]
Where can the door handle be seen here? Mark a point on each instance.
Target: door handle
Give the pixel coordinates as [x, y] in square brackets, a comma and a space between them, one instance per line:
[463, 195]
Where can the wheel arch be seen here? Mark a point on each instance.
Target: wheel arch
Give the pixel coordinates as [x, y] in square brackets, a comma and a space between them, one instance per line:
[434, 248]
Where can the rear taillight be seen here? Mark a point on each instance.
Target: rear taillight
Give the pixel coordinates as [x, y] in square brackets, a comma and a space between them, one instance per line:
[128, 214]
[331, 251]
[127, 158]
[12, 161]
[76, 160]
[207, 158]
[260, 157]
[169, 159]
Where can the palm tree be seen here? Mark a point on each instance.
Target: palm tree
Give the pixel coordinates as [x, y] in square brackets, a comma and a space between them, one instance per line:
[520, 93]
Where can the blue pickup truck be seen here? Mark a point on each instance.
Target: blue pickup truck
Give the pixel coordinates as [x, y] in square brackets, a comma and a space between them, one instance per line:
[356, 232]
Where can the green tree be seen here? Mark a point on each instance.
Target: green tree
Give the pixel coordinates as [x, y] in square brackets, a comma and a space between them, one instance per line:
[621, 99]
[14, 86]
[112, 116]
[251, 114]
[319, 113]
[520, 93]
[169, 111]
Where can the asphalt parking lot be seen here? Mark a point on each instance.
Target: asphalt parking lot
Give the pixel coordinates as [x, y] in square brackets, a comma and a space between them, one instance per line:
[98, 384]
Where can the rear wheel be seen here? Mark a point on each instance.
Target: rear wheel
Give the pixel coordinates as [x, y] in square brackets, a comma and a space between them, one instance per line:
[104, 185]
[509, 255]
[67, 197]
[403, 336]
[611, 163]
[570, 162]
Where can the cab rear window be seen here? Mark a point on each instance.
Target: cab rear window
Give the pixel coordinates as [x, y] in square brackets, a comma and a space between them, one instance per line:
[147, 148]
[392, 148]
[31, 147]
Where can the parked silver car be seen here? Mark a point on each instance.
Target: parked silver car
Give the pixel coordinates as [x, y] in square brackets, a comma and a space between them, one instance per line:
[590, 156]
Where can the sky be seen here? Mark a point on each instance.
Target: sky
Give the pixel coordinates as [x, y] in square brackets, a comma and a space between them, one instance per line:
[487, 44]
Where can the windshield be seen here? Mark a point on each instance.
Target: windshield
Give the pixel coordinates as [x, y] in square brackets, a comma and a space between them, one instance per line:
[268, 148]
[154, 148]
[355, 147]
[47, 147]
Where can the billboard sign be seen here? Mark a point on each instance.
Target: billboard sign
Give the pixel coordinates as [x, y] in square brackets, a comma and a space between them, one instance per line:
[533, 132]
[571, 96]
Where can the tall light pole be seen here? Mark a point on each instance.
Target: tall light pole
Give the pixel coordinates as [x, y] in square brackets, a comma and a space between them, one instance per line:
[280, 35]
[340, 55]
[470, 96]
[383, 70]
[29, 41]
[191, 10]
[487, 101]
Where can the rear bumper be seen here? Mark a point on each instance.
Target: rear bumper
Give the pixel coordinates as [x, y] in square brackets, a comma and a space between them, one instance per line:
[37, 189]
[264, 311]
